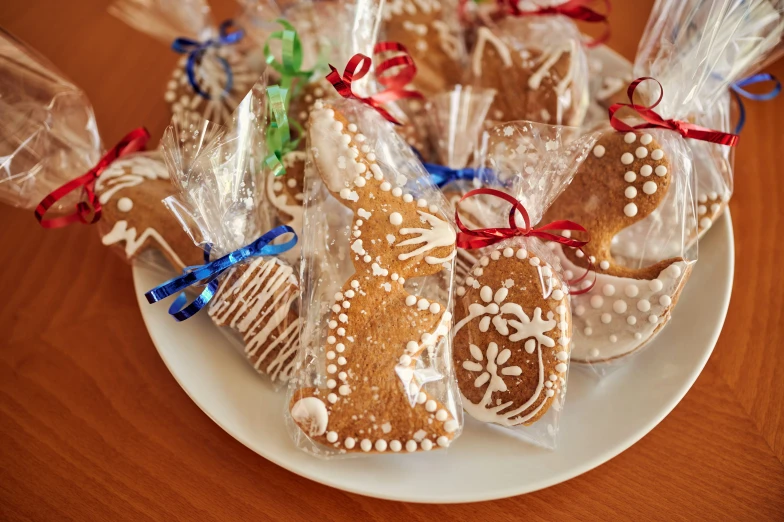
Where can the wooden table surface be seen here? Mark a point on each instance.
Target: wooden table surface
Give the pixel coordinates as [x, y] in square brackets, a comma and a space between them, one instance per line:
[93, 426]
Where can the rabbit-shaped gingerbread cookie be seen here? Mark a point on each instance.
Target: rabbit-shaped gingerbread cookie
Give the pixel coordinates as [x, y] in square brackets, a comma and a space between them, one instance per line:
[372, 398]
[623, 180]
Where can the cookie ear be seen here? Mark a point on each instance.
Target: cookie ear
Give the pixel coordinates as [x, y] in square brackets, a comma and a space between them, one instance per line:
[406, 234]
[371, 397]
[131, 191]
[536, 81]
[511, 337]
[625, 179]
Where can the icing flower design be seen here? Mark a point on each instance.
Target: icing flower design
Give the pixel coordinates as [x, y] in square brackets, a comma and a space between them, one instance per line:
[495, 360]
[494, 311]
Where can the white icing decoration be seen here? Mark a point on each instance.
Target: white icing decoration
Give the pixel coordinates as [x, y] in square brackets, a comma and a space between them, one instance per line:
[312, 413]
[441, 234]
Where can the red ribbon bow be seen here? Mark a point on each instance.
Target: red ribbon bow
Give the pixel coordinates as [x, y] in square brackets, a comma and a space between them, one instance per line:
[470, 239]
[394, 83]
[89, 211]
[654, 120]
[575, 9]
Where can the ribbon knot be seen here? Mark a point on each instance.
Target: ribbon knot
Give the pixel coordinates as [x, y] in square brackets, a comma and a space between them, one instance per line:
[574, 9]
[471, 239]
[208, 273]
[195, 50]
[654, 120]
[88, 211]
[359, 65]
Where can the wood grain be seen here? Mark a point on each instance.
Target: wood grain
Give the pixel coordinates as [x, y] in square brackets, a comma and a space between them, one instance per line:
[93, 426]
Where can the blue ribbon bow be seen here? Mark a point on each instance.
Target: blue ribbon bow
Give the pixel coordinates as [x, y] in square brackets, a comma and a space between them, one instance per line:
[441, 175]
[738, 91]
[208, 273]
[196, 49]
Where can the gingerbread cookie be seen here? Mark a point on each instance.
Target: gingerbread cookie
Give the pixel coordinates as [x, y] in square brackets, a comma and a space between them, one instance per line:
[511, 337]
[623, 180]
[256, 300]
[189, 107]
[430, 30]
[131, 191]
[372, 396]
[547, 85]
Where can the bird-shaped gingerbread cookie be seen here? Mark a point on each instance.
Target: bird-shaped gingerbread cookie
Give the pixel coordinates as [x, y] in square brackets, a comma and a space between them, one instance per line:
[372, 397]
[625, 178]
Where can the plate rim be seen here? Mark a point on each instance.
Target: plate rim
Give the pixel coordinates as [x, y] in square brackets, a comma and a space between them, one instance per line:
[496, 494]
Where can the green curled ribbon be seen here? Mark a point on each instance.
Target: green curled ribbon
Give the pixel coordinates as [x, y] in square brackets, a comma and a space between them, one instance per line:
[290, 66]
[279, 140]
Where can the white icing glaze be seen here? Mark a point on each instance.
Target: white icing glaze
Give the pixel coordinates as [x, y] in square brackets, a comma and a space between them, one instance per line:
[311, 412]
[256, 299]
[630, 313]
[121, 233]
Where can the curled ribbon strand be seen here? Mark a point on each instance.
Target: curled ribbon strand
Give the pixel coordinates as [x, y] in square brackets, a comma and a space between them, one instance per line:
[654, 120]
[196, 49]
[279, 141]
[575, 9]
[471, 239]
[89, 211]
[208, 273]
[359, 65]
[290, 65]
[737, 90]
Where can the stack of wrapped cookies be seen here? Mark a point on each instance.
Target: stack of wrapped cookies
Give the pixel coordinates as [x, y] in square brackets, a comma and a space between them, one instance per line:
[420, 210]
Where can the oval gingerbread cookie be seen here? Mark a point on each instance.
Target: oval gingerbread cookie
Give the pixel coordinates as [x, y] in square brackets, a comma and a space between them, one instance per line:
[511, 338]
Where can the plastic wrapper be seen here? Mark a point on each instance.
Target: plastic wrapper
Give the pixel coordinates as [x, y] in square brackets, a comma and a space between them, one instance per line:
[220, 60]
[48, 133]
[432, 33]
[50, 137]
[219, 174]
[513, 319]
[627, 178]
[455, 123]
[697, 49]
[378, 250]
[538, 66]
[320, 41]
[610, 74]
[286, 194]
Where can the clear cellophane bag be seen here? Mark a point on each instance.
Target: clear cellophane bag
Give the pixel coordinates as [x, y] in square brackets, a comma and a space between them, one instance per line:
[209, 80]
[697, 49]
[513, 319]
[378, 247]
[219, 175]
[538, 65]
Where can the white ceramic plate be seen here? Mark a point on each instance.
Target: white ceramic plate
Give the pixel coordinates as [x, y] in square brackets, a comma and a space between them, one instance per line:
[598, 423]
